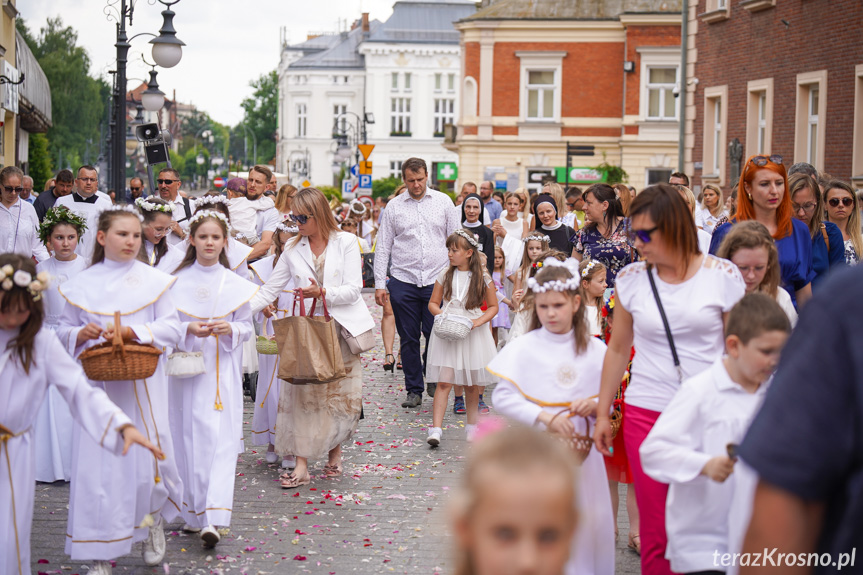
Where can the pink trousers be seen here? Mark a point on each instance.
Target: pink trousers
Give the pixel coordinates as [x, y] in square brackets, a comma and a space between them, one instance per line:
[649, 494]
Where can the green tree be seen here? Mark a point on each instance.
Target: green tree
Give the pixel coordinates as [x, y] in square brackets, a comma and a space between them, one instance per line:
[261, 117]
[40, 160]
[385, 187]
[78, 100]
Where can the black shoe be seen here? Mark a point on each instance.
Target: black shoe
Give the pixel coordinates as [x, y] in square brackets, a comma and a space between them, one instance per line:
[413, 400]
[431, 387]
[389, 365]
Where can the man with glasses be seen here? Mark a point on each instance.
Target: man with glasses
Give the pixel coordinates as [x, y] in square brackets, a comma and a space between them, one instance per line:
[27, 190]
[492, 206]
[136, 188]
[168, 183]
[268, 217]
[575, 207]
[86, 201]
[62, 187]
[18, 219]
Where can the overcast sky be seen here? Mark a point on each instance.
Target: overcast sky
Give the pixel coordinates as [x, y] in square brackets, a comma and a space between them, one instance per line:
[228, 42]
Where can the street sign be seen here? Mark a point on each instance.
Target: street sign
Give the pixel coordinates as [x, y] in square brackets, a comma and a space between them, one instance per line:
[347, 186]
[580, 175]
[355, 170]
[365, 182]
[306, 184]
[366, 168]
[447, 171]
[219, 182]
[366, 150]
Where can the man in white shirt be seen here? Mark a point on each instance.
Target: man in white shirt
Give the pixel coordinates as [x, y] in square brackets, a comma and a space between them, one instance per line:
[413, 231]
[87, 202]
[18, 219]
[168, 183]
[268, 219]
[27, 193]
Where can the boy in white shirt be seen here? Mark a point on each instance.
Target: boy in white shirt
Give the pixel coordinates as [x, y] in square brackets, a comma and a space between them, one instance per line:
[692, 446]
[244, 212]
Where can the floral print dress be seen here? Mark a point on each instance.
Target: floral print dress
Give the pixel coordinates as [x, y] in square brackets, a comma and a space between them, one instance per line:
[614, 252]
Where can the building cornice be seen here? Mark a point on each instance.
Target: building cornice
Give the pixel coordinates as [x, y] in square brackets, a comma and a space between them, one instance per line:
[663, 19]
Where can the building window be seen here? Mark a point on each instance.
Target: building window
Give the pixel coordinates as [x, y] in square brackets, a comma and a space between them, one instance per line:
[400, 119]
[716, 11]
[395, 169]
[407, 81]
[450, 86]
[437, 82]
[715, 122]
[759, 117]
[540, 94]
[857, 131]
[810, 132]
[656, 176]
[661, 103]
[395, 80]
[301, 120]
[340, 119]
[444, 113]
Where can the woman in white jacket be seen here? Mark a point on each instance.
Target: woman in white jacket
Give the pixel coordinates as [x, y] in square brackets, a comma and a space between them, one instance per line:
[314, 420]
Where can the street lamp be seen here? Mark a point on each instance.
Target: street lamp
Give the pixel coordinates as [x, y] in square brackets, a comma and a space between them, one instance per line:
[153, 98]
[167, 48]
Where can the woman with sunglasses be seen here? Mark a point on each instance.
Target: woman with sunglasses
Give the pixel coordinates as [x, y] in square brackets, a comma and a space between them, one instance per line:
[842, 211]
[325, 263]
[763, 196]
[695, 292]
[828, 247]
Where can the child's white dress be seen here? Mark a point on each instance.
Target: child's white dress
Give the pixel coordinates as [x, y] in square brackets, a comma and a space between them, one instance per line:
[461, 362]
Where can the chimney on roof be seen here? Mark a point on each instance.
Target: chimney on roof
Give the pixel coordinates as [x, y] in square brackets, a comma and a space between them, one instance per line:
[365, 24]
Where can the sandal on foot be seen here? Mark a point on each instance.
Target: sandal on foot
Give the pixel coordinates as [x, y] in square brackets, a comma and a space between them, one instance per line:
[635, 543]
[291, 481]
[332, 470]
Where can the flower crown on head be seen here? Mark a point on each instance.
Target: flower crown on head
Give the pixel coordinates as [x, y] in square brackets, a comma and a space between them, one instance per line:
[151, 207]
[471, 239]
[284, 227]
[586, 271]
[125, 208]
[61, 215]
[11, 278]
[209, 214]
[358, 207]
[209, 200]
[570, 284]
[536, 236]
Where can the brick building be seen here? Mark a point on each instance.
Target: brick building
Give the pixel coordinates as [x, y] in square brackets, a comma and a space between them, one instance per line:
[781, 77]
[542, 73]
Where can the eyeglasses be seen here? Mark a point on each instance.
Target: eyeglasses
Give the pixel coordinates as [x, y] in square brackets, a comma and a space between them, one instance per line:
[834, 202]
[166, 182]
[643, 235]
[347, 225]
[10, 189]
[761, 161]
[134, 189]
[300, 218]
[88, 179]
[807, 207]
[571, 205]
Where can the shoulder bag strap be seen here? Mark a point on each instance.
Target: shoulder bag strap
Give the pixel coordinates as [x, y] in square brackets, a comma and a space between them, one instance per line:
[187, 208]
[665, 324]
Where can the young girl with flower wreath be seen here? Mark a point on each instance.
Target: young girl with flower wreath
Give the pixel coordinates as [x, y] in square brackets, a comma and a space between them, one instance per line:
[207, 420]
[558, 392]
[593, 284]
[32, 359]
[269, 385]
[534, 244]
[158, 215]
[111, 497]
[60, 231]
[460, 290]
[238, 252]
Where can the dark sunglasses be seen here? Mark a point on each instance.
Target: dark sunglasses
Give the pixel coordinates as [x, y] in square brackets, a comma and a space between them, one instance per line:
[834, 202]
[10, 189]
[134, 189]
[166, 182]
[643, 235]
[300, 218]
[761, 161]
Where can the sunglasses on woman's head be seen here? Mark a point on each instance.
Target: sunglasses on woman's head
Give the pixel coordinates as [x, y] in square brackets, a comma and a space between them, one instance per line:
[643, 235]
[300, 218]
[834, 202]
[761, 161]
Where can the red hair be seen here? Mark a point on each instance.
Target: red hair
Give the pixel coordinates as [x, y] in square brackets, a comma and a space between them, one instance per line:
[745, 208]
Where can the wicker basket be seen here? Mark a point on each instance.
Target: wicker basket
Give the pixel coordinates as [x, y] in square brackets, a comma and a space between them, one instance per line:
[616, 420]
[266, 346]
[578, 443]
[119, 361]
[450, 326]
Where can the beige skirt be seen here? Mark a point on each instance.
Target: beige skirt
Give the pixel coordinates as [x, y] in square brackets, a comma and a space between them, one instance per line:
[314, 419]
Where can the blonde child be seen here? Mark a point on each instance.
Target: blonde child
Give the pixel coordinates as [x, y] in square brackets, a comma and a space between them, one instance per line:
[534, 244]
[752, 249]
[692, 445]
[522, 483]
[499, 276]
[593, 285]
[460, 290]
[209, 415]
[110, 497]
[269, 386]
[555, 370]
[32, 360]
[60, 231]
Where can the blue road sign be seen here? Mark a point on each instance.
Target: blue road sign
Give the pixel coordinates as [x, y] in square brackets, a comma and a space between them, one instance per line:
[366, 181]
[355, 170]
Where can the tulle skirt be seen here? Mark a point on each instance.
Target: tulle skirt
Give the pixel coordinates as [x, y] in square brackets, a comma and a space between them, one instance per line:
[461, 362]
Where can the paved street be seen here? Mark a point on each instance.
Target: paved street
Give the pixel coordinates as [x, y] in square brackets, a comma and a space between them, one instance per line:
[386, 514]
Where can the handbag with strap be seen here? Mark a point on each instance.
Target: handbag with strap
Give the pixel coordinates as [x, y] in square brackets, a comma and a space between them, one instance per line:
[309, 349]
[665, 325]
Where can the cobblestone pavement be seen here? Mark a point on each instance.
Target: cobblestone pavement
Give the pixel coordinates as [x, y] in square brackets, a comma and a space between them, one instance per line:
[386, 514]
